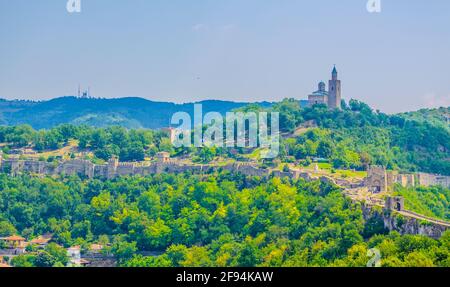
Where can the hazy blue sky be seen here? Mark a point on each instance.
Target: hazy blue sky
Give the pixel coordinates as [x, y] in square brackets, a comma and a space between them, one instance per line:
[242, 50]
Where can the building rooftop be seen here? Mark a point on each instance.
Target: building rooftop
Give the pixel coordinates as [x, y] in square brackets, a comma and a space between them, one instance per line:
[41, 239]
[320, 93]
[96, 247]
[13, 238]
[74, 248]
[334, 70]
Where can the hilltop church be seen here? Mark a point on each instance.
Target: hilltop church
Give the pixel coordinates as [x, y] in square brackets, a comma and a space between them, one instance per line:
[330, 98]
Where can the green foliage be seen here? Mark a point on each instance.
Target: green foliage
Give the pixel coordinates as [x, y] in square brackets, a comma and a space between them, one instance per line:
[225, 219]
[431, 201]
[7, 229]
[123, 251]
[352, 138]
[23, 260]
[357, 136]
[129, 112]
[52, 256]
[128, 145]
[222, 219]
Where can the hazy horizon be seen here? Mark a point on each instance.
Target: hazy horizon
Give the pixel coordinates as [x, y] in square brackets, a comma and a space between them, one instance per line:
[251, 51]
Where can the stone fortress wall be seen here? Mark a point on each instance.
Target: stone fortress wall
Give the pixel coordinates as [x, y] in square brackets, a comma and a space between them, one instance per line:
[381, 180]
[163, 164]
[378, 178]
[113, 168]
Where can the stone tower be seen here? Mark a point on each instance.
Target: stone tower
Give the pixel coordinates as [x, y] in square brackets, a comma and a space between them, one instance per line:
[334, 91]
[377, 179]
[113, 163]
[395, 203]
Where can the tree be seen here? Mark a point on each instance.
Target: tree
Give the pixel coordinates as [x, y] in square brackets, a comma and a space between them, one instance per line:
[418, 259]
[366, 160]
[43, 259]
[20, 136]
[123, 250]
[7, 229]
[248, 256]
[157, 235]
[104, 153]
[357, 256]
[58, 254]
[149, 202]
[149, 261]
[197, 257]
[52, 255]
[325, 149]
[176, 254]
[99, 139]
[23, 260]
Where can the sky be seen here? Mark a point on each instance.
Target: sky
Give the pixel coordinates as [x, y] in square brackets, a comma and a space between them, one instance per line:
[240, 50]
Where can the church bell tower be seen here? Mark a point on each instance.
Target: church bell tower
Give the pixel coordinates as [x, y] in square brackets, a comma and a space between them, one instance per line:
[334, 91]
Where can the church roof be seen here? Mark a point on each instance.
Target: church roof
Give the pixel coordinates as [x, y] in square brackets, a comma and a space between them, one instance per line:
[320, 93]
[334, 70]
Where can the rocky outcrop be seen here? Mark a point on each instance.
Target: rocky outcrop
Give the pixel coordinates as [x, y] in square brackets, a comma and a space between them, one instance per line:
[403, 222]
[409, 225]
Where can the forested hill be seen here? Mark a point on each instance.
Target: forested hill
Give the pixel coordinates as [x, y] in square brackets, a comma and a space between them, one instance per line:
[352, 138]
[126, 112]
[439, 117]
[358, 136]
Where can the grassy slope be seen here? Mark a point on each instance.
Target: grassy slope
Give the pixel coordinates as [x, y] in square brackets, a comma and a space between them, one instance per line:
[431, 201]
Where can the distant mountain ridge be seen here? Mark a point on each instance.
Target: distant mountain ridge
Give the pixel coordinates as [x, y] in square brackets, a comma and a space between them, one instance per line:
[135, 112]
[130, 112]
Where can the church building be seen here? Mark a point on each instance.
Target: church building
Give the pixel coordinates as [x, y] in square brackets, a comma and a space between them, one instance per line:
[330, 98]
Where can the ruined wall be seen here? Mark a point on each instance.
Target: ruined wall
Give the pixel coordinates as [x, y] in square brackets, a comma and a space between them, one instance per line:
[377, 179]
[380, 180]
[114, 168]
[78, 167]
[426, 179]
[394, 221]
[124, 169]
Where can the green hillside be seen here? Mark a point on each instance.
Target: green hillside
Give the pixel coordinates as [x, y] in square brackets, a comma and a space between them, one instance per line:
[221, 218]
[358, 136]
[126, 112]
[439, 117]
[349, 139]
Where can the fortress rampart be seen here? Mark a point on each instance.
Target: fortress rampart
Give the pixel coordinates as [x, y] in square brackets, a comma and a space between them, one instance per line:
[378, 180]
[113, 168]
[381, 180]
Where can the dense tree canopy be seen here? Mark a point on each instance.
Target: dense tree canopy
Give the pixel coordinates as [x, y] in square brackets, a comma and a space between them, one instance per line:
[352, 138]
[221, 219]
[357, 136]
